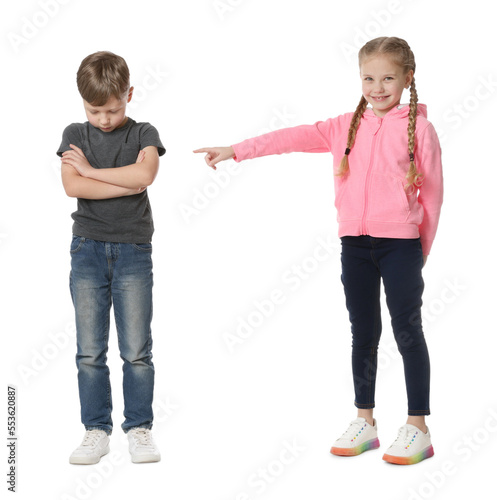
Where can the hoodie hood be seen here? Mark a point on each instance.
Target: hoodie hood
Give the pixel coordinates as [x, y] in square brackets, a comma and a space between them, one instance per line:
[400, 111]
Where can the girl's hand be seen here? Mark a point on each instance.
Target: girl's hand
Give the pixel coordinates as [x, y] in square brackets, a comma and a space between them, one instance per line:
[425, 258]
[77, 160]
[215, 155]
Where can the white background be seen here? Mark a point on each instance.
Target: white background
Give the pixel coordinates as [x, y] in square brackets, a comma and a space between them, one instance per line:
[213, 77]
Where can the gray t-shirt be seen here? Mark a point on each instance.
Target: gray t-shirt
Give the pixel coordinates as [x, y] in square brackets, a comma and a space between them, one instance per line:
[127, 219]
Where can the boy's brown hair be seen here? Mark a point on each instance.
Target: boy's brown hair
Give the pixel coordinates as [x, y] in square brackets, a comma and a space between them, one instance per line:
[102, 75]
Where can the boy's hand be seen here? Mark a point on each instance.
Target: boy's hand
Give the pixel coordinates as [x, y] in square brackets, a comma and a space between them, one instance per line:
[77, 160]
[215, 155]
[140, 157]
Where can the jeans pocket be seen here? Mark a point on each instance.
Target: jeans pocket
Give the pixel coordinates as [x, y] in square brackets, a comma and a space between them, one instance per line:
[77, 243]
[142, 247]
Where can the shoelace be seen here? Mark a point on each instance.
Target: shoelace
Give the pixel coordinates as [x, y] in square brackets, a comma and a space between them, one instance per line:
[405, 436]
[91, 438]
[142, 437]
[353, 429]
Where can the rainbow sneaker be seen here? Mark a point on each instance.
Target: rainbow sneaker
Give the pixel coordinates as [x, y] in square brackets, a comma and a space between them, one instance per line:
[410, 447]
[359, 437]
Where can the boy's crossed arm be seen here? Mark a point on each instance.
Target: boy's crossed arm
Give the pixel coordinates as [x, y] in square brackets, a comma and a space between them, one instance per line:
[77, 186]
[81, 180]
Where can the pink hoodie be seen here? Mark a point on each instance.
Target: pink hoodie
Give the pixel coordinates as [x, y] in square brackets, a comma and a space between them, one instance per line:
[371, 199]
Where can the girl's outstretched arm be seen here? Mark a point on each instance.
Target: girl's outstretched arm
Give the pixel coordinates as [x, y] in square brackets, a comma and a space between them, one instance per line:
[215, 155]
[314, 138]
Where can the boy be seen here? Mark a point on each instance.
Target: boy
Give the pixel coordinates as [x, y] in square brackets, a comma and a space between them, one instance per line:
[107, 164]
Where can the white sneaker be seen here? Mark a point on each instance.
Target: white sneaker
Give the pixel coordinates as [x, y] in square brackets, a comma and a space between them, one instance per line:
[410, 447]
[94, 446]
[142, 446]
[359, 437]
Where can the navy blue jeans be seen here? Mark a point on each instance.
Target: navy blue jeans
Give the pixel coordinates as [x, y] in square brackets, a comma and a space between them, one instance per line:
[102, 274]
[366, 261]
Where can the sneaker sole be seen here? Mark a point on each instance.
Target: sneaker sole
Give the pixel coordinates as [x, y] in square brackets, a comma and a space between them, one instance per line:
[393, 459]
[88, 460]
[372, 444]
[145, 459]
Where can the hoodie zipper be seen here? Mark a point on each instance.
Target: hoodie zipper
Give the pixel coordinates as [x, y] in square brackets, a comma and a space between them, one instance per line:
[368, 178]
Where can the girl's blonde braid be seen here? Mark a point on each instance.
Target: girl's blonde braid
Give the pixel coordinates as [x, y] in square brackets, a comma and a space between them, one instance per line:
[414, 178]
[354, 125]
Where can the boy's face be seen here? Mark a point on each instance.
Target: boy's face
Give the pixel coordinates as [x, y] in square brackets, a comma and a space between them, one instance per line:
[111, 115]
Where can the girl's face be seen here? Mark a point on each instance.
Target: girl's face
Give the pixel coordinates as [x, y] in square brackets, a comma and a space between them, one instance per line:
[383, 82]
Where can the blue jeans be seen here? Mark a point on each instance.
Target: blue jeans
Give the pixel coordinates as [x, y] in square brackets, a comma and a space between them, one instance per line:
[365, 261]
[104, 273]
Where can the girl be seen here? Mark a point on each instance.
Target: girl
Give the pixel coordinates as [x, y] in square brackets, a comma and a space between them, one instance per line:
[388, 194]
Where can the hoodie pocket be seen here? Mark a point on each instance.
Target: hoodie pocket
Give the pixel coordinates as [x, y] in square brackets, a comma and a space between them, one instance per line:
[347, 204]
[387, 199]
